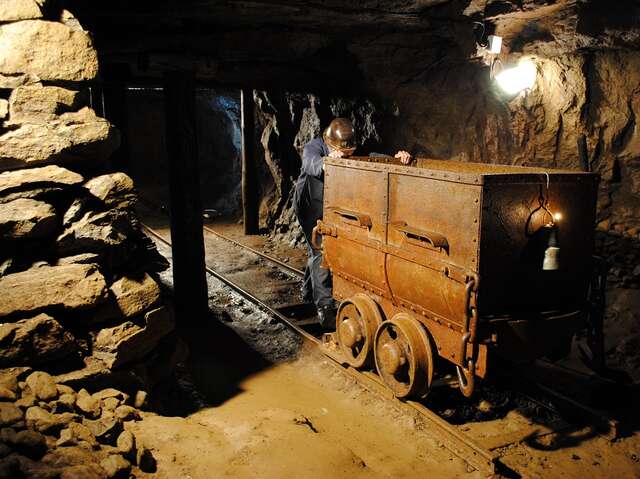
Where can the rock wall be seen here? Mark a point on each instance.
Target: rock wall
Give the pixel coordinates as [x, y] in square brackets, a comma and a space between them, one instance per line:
[77, 293]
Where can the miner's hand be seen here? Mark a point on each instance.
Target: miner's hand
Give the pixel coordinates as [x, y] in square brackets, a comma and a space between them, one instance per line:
[404, 157]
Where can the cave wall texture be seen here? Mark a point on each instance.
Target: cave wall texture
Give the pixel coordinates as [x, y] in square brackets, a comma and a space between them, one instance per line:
[412, 75]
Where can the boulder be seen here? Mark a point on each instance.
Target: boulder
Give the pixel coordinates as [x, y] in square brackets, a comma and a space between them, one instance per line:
[42, 385]
[126, 444]
[32, 182]
[29, 443]
[107, 393]
[115, 190]
[126, 413]
[7, 394]
[38, 103]
[88, 405]
[84, 258]
[95, 233]
[50, 50]
[25, 218]
[75, 212]
[75, 434]
[64, 389]
[9, 380]
[9, 82]
[27, 399]
[75, 137]
[110, 404]
[94, 371]
[83, 471]
[4, 108]
[10, 467]
[34, 341]
[68, 287]
[140, 399]
[66, 403]
[63, 457]
[106, 429]
[15, 10]
[135, 295]
[43, 421]
[129, 341]
[70, 20]
[10, 414]
[116, 466]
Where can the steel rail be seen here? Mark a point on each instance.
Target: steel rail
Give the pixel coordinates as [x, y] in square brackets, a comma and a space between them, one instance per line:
[291, 269]
[270, 258]
[451, 438]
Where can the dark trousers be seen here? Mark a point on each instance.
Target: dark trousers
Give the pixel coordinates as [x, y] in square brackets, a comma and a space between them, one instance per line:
[316, 278]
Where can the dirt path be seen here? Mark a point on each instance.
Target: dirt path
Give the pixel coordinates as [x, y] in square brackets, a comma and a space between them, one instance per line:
[299, 419]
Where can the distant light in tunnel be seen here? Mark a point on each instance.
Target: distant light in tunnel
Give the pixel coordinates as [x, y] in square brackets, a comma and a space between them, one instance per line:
[521, 77]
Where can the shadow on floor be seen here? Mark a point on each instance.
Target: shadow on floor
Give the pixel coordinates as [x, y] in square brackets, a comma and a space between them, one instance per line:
[218, 361]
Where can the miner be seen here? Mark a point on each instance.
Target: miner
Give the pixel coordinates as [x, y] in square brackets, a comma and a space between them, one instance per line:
[338, 140]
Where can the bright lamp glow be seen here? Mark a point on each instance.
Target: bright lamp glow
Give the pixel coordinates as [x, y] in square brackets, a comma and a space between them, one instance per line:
[514, 80]
[557, 216]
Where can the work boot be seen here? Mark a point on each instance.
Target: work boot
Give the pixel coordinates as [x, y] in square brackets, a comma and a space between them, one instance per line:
[327, 316]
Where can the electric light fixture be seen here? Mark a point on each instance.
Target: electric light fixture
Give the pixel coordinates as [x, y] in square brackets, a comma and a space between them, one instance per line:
[521, 77]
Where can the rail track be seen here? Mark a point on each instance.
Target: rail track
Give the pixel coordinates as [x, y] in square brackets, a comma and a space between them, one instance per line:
[482, 455]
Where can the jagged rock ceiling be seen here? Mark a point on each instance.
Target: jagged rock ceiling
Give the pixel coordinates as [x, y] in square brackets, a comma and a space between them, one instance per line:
[339, 45]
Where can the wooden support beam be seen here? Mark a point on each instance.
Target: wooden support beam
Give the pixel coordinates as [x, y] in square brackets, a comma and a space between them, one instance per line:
[189, 277]
[250, 205]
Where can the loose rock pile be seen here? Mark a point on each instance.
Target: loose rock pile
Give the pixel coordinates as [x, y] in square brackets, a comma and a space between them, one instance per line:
[49, 430]
[76, 291]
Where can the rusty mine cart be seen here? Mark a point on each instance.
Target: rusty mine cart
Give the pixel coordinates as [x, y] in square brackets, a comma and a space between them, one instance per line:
[459, 260]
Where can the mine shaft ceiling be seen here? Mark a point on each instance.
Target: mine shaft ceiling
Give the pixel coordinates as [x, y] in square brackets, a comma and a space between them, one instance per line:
[336, 44]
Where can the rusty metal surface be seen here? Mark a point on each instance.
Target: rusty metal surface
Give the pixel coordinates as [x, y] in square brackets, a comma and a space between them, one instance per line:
[418, 239]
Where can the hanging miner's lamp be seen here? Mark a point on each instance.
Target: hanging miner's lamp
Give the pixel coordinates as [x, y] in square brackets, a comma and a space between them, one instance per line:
[551, 230]
[551, 260]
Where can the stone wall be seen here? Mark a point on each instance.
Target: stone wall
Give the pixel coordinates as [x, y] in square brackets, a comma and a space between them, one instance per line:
[78, 299]
[77, 293]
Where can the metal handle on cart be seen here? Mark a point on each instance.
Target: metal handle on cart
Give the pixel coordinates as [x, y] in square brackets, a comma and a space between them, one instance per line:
[322, 229]
[423, 238]
[353, 217]
[314, 237]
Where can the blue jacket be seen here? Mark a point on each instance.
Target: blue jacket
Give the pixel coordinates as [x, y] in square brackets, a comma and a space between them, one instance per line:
[312, 158]
[310, 185]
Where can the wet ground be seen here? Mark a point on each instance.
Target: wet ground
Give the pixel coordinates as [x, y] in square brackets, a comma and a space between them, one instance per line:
[250, 402]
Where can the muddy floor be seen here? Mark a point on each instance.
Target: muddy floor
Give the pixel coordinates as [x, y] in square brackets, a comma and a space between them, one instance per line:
[249, 402]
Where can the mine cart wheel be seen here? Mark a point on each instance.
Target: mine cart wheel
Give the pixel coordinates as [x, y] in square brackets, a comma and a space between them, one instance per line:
[403, 356]
[357, 320]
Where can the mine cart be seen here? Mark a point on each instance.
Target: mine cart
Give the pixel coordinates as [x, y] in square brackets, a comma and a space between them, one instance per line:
[457, 260]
